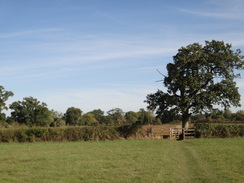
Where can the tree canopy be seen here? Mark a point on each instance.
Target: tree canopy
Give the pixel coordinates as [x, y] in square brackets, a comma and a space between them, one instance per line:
[89, 119]
[199, 78]
[73, 116]
[31, 112]
[4, 95]
[117, 115]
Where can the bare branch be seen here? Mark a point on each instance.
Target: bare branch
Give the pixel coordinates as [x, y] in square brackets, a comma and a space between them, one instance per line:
[160, 73]
[160, 80]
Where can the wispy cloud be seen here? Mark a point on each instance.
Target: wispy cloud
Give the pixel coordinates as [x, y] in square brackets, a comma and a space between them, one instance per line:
[94, 52]
[27, 33]
[83, 50]
[222, 15]
[220, 9]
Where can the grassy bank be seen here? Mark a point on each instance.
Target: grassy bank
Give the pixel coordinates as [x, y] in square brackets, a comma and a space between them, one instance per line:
[197, 160]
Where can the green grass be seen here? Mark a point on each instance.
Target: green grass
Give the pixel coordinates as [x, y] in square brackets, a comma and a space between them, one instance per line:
[196, 160]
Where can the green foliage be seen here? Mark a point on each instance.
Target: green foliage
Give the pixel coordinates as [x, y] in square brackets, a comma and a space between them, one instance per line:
[117, 116]
[128, 131]
[89, 119]
[2, 117]
[145, 117]
[217, 114]
[131, 117]
[216, 130]
[239, 115]
[108, 120]
[4, 95]
[73, 116]
[58, 119]
[99, 115]
[39, 134]
[31, 112]
[199, 78]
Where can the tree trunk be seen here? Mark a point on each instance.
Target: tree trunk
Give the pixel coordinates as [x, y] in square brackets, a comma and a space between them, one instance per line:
[185, 124]
[185, 119]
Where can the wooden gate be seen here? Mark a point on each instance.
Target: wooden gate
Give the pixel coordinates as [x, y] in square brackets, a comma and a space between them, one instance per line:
[188, 133]
[175, 133]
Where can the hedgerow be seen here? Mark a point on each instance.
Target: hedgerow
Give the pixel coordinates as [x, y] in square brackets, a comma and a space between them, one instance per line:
[86, 133]
[219, 130]
[38, 134]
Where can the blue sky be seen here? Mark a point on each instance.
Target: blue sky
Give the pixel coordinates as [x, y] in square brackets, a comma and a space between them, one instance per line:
[104, 54]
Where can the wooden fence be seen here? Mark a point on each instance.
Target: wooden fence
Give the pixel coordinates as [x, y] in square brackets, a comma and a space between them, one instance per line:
[188, 133]
[169, 132]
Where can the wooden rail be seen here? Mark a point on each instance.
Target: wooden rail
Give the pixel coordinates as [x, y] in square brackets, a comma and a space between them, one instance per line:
[188, 133]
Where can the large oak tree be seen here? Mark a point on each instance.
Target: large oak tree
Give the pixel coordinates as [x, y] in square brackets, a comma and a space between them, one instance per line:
[200, 78]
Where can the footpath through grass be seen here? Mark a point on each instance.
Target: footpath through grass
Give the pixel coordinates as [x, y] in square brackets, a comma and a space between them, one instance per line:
[196, 160]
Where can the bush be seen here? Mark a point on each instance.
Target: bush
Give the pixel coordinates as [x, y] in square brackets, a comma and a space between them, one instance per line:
[21, 136]
[222, 131]
[39, 134]
[127, 131]
[7, 135]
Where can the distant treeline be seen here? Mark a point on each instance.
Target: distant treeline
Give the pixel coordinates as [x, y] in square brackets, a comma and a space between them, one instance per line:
[32, 113]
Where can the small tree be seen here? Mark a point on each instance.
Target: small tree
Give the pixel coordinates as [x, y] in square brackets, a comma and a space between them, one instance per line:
[73, 116]
[89, 119]
[31, 112]
[145, 117]
[117, 116]
[99, 115]
[199, 78]
[4, 95]
[240, 115]
[108, 120]
[58, 118]
[131, 117]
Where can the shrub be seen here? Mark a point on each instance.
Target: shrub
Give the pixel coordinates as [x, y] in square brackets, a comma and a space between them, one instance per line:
[222, 131]
[38, 134]
[7, 135]
[127, 131]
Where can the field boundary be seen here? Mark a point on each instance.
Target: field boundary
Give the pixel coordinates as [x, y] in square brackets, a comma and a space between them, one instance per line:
[169, 131]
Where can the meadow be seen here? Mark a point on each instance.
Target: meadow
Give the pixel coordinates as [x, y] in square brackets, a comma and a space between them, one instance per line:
[194, 160]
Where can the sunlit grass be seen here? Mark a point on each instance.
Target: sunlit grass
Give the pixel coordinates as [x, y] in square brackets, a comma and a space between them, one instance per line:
[196, 160]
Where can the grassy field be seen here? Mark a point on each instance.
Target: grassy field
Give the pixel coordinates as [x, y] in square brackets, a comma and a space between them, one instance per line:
[196, 160]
